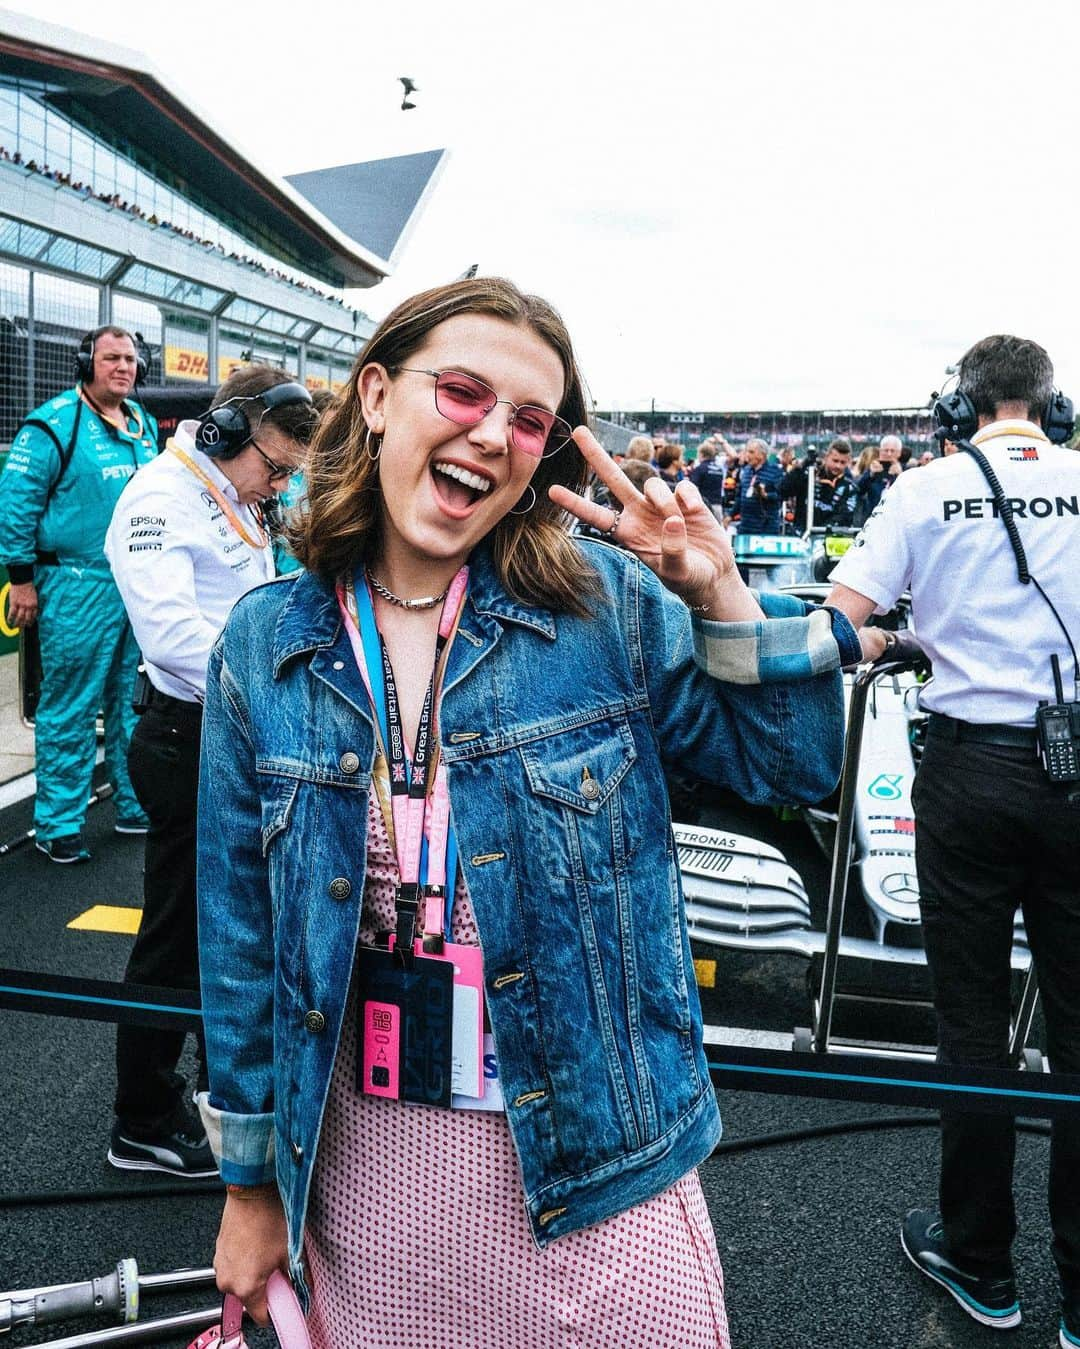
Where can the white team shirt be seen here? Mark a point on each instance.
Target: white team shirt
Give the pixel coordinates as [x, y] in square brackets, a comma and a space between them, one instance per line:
[937, 534]
[180, 565]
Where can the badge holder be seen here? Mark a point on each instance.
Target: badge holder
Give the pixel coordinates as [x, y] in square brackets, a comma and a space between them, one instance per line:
[406, 1016]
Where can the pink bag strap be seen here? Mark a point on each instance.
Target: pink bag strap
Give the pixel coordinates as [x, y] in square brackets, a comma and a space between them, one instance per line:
[285, 1313]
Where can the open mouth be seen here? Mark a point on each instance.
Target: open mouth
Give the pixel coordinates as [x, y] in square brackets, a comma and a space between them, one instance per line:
[458, 488]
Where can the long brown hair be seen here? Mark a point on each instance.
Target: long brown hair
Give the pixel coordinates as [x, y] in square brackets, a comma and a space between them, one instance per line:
[339, 525]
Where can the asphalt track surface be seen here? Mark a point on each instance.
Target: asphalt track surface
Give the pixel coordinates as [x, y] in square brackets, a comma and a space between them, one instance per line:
[808, 1231]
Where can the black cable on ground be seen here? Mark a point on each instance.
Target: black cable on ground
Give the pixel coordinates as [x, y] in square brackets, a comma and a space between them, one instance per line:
[45, 1198]
[851, 1126]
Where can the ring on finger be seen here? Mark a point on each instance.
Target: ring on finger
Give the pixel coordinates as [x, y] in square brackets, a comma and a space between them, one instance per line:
[616, 516]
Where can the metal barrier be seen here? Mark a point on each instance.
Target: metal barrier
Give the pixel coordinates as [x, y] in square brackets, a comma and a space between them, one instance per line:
[117, 1294]
[822, 1012]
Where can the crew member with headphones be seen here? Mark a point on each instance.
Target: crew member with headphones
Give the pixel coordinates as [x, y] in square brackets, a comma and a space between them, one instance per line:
[186, 541]
[68, 464]
[988, 542]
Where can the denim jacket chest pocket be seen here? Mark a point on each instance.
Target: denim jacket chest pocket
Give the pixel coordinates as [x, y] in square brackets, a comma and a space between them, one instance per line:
[581, 774]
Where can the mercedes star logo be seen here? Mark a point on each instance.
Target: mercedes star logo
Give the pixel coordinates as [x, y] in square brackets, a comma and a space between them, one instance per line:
[901, 885]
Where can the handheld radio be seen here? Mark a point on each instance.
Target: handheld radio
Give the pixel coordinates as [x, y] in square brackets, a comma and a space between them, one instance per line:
[1058, 733]
[141, 690]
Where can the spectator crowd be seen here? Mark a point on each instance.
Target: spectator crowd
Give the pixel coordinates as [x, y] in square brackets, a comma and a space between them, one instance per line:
[756, 489]
[114, 201]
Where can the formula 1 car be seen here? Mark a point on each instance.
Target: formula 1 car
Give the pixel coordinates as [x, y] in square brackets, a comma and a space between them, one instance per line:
[741, 893]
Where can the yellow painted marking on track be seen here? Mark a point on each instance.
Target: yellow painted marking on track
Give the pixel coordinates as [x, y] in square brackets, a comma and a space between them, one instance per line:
[108, 918]
[705, 973]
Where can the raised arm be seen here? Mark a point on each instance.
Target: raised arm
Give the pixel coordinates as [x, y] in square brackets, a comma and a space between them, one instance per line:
[672, 532]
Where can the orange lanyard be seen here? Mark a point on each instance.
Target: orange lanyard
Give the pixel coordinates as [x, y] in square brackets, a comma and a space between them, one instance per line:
[257, 543]
[1011, 429]
[122, 428]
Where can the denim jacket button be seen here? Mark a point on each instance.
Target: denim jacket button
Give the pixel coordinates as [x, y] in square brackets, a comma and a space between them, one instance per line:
[340, 888]
[349, 762]
[297, 1153]
[590, 789]
[315, 1022]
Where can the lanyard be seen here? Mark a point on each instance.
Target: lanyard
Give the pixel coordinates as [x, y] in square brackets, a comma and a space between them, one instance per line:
[122, 428]
[259, 542]
[1010, 429]
[417, 814]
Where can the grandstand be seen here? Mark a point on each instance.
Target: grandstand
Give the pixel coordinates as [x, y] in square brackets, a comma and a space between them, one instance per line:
[121, 203]
[915, 426]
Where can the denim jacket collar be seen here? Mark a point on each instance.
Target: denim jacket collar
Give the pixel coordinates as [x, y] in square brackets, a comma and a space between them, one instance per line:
[309, 621]
[487, 597]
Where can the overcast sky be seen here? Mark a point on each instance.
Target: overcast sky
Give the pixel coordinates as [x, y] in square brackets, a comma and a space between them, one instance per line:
[753, 205]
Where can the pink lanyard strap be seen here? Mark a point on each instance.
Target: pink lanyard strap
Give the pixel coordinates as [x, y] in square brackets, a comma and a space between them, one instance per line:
[419, 806]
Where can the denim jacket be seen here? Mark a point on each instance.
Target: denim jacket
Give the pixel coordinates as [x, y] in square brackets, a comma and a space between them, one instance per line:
[555, 731]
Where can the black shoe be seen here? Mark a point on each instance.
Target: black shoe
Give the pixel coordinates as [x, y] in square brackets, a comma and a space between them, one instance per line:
[134, 826]
[184, 1152]
[989, 1299]
[64, 850]
[1069, 1336]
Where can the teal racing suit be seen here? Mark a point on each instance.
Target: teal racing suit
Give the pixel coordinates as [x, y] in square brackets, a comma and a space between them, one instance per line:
[287, 503]
[66, 468]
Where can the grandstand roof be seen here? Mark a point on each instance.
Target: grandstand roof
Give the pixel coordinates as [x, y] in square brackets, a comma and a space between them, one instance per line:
[378, 200]
[87, 78]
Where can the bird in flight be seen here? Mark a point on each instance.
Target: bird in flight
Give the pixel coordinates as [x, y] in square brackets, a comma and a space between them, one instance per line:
[409, 88]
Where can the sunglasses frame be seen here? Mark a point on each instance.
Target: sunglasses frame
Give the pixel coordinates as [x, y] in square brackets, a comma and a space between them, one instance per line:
[556, 422]
[278, 472]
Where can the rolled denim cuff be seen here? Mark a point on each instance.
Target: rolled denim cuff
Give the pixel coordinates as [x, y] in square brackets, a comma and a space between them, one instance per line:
[776, 650]
[243, 1145]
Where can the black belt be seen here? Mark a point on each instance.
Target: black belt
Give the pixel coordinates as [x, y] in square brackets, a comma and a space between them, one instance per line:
[982, 733]
[167, 703]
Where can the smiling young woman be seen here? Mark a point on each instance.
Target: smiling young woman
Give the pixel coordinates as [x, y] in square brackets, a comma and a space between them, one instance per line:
[349, 488]
[448, 994]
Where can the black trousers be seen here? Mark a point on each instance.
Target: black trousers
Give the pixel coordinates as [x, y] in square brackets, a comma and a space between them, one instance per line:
[163, 760]
[993, 833]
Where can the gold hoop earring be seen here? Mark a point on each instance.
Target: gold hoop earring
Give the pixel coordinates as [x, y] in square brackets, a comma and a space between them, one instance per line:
[369, 437]
[531, 504]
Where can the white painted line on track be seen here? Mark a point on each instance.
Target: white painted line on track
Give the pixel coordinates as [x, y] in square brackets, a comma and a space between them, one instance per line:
[741, 1035]
[18, 789]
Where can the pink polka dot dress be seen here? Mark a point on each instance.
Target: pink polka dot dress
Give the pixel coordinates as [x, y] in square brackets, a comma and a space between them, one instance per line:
[417, 1236]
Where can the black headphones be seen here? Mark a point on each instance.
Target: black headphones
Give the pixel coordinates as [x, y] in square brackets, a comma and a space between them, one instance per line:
[84, 357]
[957, 419]
[226, 429]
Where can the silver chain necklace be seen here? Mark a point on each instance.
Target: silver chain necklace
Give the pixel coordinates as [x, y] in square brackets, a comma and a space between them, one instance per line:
[429, 602]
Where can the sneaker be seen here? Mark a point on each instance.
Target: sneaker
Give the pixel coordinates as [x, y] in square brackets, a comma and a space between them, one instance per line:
[1069, 1335]
[989, 1299]
[64, 850]
[131, 826]
[185, 1152]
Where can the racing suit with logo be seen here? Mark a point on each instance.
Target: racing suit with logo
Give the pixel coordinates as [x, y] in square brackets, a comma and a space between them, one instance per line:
[834, 498]
[62, 478]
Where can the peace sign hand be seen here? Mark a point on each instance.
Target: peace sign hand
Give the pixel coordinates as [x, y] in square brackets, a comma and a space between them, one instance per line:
[673, 533]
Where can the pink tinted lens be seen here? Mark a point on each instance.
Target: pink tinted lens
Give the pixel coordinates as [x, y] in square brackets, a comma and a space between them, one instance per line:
[462, 399]
[539, 432]
[532, 426]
